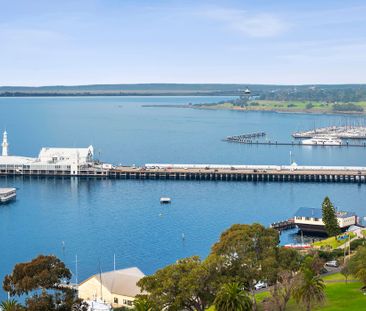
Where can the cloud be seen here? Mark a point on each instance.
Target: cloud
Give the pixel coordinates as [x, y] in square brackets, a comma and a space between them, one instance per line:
[252, 25]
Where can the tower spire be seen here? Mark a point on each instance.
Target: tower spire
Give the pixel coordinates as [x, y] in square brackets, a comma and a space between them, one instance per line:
[5, 144]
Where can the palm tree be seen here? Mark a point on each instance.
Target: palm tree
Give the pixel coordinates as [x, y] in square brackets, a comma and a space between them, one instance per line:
[232, 297]
[309, 289]
[10, 305]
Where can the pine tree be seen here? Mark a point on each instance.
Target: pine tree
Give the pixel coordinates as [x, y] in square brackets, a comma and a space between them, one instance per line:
[330, 218]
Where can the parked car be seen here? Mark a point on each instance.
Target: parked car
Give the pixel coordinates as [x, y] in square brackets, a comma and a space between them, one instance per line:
[260, 285]
[332, 263]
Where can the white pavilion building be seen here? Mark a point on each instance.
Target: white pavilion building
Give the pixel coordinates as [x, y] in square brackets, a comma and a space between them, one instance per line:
[52, 161]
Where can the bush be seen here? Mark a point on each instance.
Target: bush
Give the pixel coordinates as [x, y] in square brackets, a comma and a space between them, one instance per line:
[254, 104]
[356, 243]
[291, 105]
[309, 105]
[347, 108]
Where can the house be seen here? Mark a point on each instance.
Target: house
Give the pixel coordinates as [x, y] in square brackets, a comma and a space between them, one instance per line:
[310, 220]
[117, 288]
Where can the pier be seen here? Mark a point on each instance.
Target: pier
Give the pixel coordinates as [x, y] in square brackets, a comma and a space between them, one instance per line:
[245, 136]
[203, 172]
[284, 225]
[251, 173]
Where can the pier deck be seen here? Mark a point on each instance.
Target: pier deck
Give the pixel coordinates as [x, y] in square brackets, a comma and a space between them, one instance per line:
[253, 173]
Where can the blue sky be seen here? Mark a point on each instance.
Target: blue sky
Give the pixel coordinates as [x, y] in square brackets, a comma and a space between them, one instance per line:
[121, 41]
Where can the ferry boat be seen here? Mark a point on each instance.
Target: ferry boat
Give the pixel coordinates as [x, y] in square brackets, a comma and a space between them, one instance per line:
[322, 141]
[7, 194]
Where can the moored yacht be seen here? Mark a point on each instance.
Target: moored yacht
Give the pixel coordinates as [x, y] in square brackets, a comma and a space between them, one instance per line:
[322, 141]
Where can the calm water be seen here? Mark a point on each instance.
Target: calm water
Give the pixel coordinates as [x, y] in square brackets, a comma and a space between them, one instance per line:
[96, 219]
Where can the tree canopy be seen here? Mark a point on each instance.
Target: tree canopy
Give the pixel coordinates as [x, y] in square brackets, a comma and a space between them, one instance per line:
[330, 218]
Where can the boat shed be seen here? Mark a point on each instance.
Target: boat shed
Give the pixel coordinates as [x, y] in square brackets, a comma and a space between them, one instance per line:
[118, 288]
[310, 219]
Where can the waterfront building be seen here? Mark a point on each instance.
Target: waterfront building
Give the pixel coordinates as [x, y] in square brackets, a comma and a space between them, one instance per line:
[310, 220]
[117, 288]
[52, 161]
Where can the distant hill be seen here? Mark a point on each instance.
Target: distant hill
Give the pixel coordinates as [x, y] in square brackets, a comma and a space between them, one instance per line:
[329, 93]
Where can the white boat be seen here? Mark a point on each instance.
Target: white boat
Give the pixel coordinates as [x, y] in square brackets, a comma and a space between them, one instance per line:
[97, 305]
[165, 200]
[7, 194]
[322, 141]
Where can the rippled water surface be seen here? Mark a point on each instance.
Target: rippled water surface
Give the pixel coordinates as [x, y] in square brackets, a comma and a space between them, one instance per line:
[95, 219]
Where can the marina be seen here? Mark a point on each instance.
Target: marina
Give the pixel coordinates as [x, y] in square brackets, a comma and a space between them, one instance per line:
[319, 143]
[343, 132]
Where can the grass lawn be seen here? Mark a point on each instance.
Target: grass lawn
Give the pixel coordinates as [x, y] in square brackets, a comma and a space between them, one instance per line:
[332, 242]
[284, 106]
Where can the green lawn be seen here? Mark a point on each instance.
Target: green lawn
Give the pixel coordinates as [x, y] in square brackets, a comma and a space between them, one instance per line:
[332, 242]
[285, 106]
[340, 296]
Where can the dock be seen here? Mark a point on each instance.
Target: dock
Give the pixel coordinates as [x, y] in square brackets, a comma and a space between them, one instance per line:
[284, 225]
[206, 172]
[248, 173]
[292, 143]
[7, 194]
[245, 136]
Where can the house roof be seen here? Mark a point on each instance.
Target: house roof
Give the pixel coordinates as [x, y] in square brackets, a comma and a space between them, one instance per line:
[121, 282]
[317, 213]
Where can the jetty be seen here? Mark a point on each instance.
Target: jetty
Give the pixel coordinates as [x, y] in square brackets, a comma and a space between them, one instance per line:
[284, 225]
[253, 173]
[79, 162]
[245, 136]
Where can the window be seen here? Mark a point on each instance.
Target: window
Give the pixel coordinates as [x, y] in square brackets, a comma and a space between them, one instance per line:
[298, 217]
[127, 302]
[316, 219]
[115, 300]
[307, 218]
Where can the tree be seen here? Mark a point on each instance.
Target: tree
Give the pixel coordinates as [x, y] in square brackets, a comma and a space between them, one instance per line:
[143, 303]
[357, 264]
[11, 305]
[346, 271]
[281, 291]
[42, 277]
[330, 218]
[185, 285]
[232, 297]
[249, 254]
[308, 289]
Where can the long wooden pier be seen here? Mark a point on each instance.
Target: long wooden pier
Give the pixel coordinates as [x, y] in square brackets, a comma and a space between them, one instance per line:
[252, 175]
[249, 173]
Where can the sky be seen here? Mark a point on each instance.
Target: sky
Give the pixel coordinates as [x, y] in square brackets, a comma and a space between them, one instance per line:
[72, 42]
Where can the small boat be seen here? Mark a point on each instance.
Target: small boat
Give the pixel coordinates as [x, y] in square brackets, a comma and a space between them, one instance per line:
[165, 200]
[7, 194]
[322, 141]
[98, 305]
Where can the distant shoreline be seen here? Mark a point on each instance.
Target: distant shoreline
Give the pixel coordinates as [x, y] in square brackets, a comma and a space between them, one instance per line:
[255, 109]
